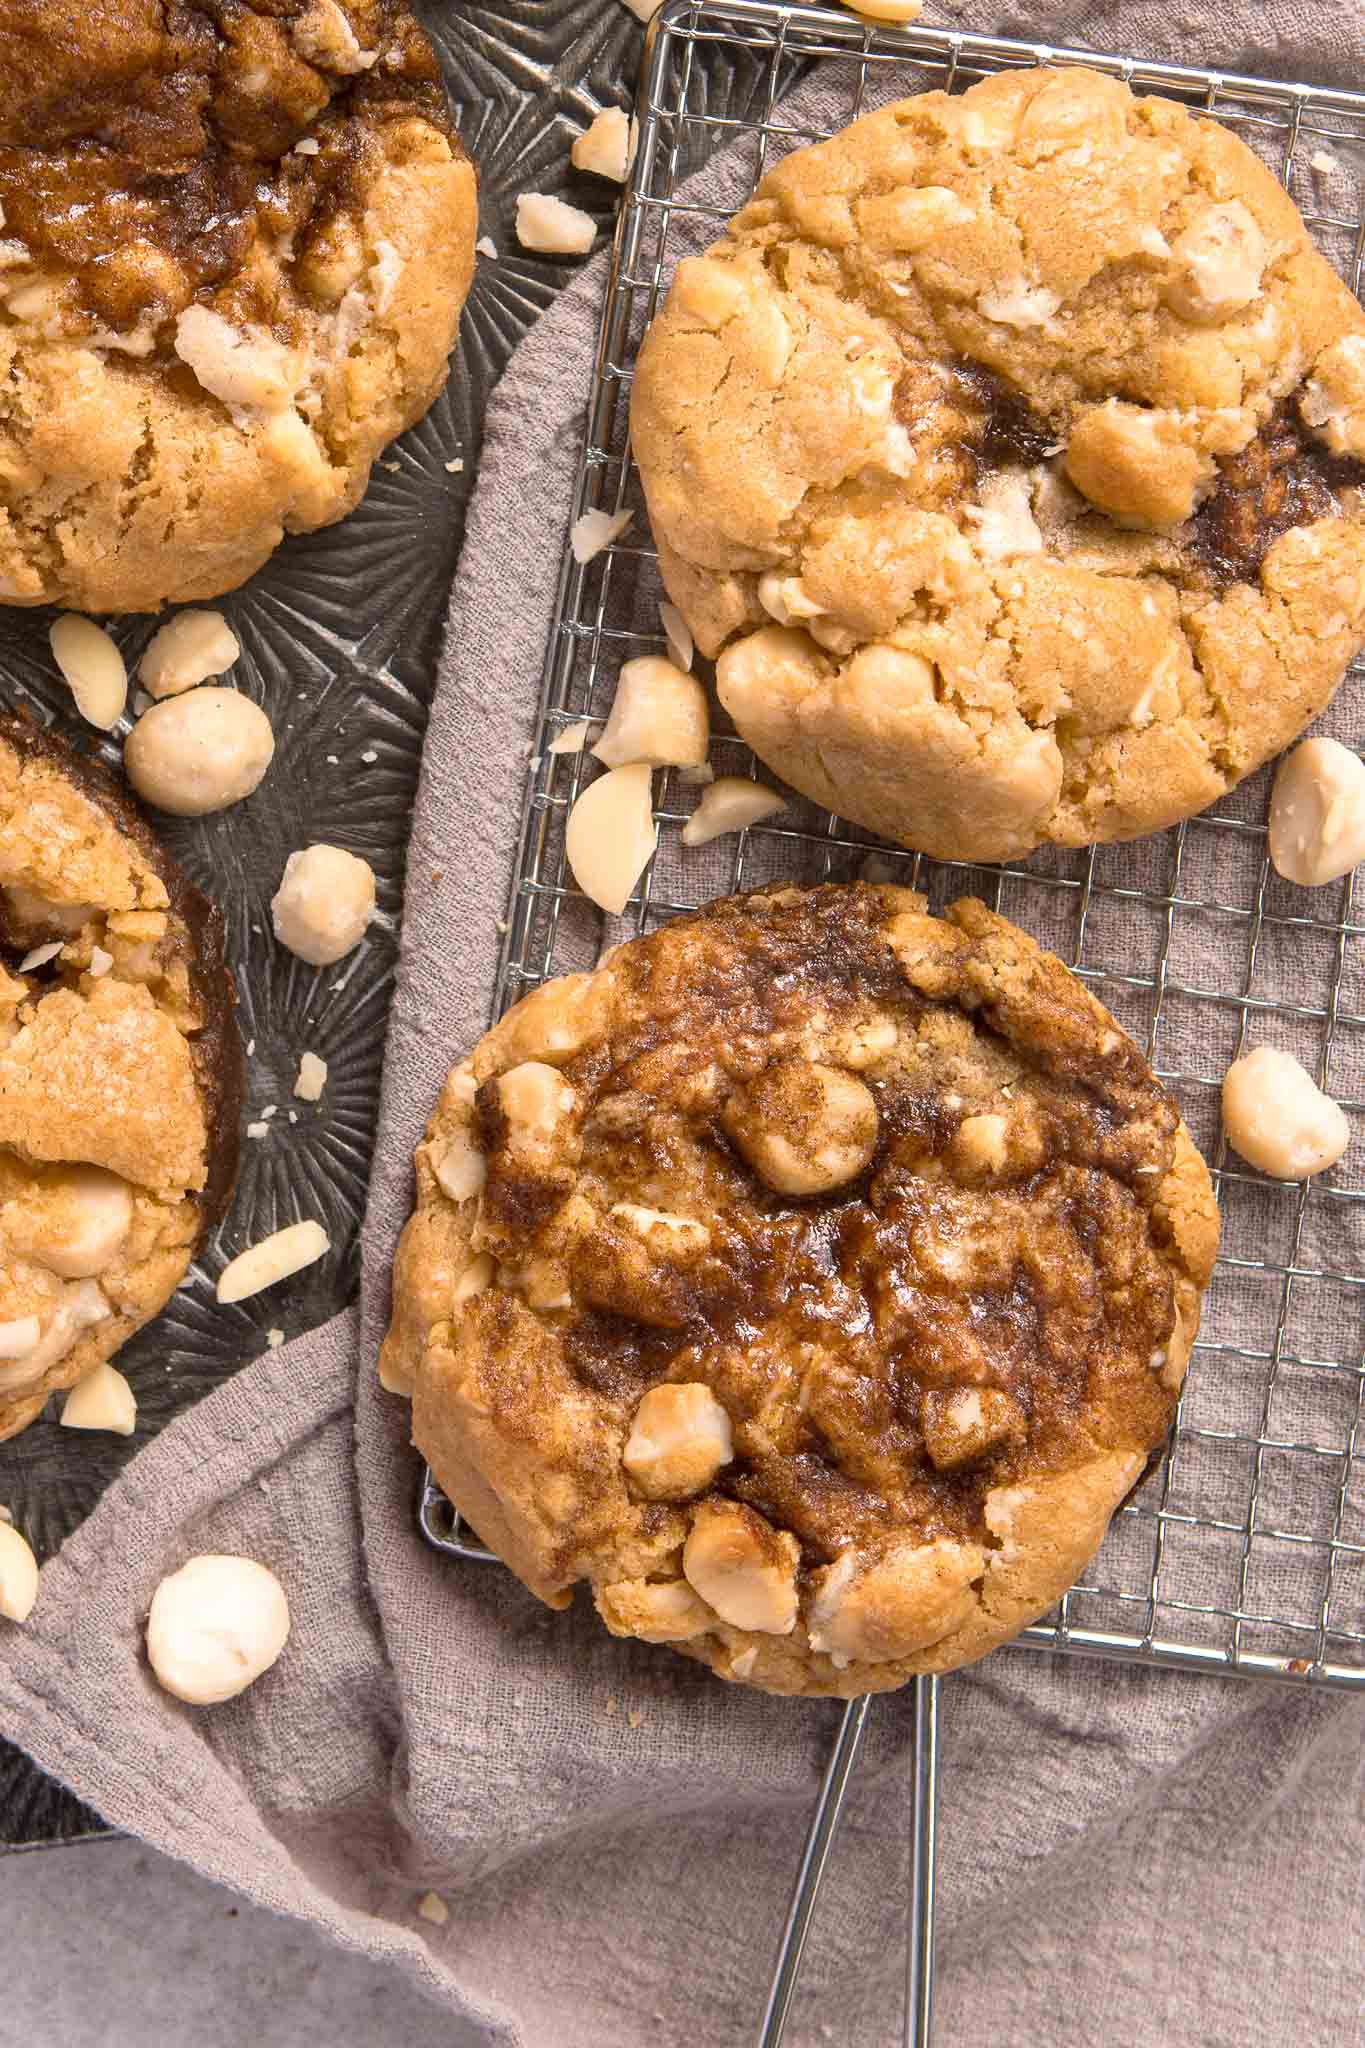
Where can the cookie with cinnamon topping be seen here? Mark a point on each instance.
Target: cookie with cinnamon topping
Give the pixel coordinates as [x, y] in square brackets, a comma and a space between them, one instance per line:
[813, 1280]
[235, 240]
[1008, 455]
[120, 1072]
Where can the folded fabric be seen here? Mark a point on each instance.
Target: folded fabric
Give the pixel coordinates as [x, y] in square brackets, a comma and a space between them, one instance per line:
[1125, 1851]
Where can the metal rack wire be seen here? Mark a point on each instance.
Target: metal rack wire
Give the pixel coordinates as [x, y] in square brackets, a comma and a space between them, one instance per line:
[1244, 1551]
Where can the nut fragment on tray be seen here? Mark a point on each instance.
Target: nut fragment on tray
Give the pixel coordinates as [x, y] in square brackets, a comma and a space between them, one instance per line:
[813, 1279]
[120, 1072]
[219, 312]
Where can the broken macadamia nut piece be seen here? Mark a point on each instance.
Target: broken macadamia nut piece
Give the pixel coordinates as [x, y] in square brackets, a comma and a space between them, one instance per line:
[214, 1627]
[901, 1601]
[658, 715]
[1277, 1117]
[196, 754]
[729, 804]
[92, 667]
[1317, 813]
[606, 148]
[551, 227]
[743, 1567]
[186, 651]
[678, 1442]
[18, 1575]
[102, 1400]
[277, 1257]
[610, 838]
[323, 904]
[805, 1128]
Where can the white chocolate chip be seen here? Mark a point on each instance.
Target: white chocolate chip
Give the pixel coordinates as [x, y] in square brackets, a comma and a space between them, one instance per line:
[537, 1102]
[73, 1221]
[431, 1906]
[679, 1440]
[18, 1575]
[476, 1278]
[611, 835]
[311, 1078]
[188, 649]
[1276, 1116]
[100, 962]
[1004, 521]
[199, 753]
[1317, 813]
[244, 367]
[551, 227]
[277, 1257]
[730, 804]
[1017, 303]
[1333, 402]
[1220, 258]
[461, 1169]
[595, 530]
[743, 1567]
[686, 1231]
[605, 149]
[214, 1627]
[92, 667]
[323, 904]
[963, 1425]
[658, 715]
[102, 1400]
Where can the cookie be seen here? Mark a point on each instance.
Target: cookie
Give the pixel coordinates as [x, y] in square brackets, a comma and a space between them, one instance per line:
[234, 245]
[1007, 453]
[120, 1072]
[813, 1279]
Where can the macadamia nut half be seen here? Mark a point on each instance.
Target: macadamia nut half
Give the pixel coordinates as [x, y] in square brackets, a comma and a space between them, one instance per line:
[196, 754]
[1317, 813]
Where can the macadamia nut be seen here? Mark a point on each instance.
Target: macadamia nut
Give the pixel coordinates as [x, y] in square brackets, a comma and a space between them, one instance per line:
[102, 1400]
[1219, 260]
[965, 1424]
[606, 149]
[73, 1220]
[92, 667]
[214, 1627]
[1333, 402]
[323, 904]
[1317, 813]
[199, 753]
[730, 804]
[805, 1128]
[277, 1257]
[18, 1575]
[743, 1567]
[658, 715]
[679, 1440]
[611, 835]
[551, 227]
[1276, 1116]
[187, 650]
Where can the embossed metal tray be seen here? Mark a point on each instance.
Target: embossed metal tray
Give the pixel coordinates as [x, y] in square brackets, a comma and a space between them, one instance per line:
[339, 639]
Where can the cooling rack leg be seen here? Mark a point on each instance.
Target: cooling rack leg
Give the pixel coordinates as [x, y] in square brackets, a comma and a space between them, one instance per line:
[919, 1956]
[824, 1823]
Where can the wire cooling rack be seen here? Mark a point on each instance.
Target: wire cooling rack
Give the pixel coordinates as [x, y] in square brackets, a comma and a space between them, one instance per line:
[1244, 1550]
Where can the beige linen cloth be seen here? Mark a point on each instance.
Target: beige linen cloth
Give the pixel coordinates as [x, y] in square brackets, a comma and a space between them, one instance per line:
[1128, 1856]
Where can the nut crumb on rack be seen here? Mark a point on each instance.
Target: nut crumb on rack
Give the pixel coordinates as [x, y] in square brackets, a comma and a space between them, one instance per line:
[455, 465]
[551, 227]
[573, 739]
[258, 1130]
[311, 1079]
[277, 1257]
[486, 246]
[595, 530]
[274, 1339]
[1324, 163]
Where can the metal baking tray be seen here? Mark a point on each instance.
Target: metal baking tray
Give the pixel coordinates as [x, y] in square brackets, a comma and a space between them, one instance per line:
[1243, 1551]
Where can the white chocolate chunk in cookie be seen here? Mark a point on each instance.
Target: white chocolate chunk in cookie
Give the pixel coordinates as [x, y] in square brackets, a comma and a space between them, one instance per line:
[804, 1127]
[1277, 1117]
[537, 1102]
[965, 1424]
[911, 217]
[1017, 303]
[1140, 466]
[460, 1167]
[103, 1400]
[324, 35]
[743, 1567]
[73, 1220]
[1333, 402]
[678, 1442]
[900, 1601]
[1219, 260]
[1317, 813]
[1003, 521]
[658, 715]
[245, 366]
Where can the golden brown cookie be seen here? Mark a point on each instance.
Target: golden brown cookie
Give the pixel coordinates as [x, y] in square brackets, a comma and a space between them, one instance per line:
[1008, 454]
[120, 1072]
[234, 244]
[814, 1280]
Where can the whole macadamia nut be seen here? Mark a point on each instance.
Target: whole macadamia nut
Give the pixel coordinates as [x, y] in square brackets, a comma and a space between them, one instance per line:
[199, 753]
[323, 904]
[1276, 1116]
[214, 1627]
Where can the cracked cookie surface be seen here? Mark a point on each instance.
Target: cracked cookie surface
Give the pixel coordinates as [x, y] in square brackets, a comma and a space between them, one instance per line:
[1008, 453]
[813, 1280]
[120, 1072]
[235, 241]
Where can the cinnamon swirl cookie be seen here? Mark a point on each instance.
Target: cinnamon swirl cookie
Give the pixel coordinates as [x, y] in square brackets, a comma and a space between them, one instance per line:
[813, 1280]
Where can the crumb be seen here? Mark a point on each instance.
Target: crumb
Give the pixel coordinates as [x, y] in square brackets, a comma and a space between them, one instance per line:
[611, 1706]
[309, 146]
[250, 1047]
[392, 467]
[456, 466]
[274, 1338]
[1299, 1666]
[634, 1719]
[431, 1906]
[5, 1515]
[258, 1130]
[369, 755]
[1323, 162]
[486, 246]
[502, 924]
[332, 761]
